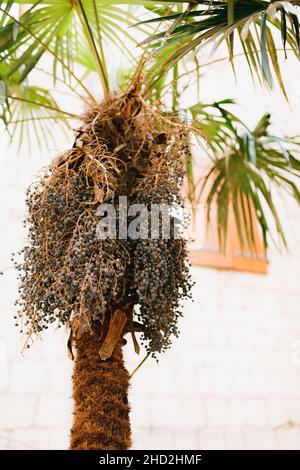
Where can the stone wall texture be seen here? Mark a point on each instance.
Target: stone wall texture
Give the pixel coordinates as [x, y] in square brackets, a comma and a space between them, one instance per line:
[232, 379]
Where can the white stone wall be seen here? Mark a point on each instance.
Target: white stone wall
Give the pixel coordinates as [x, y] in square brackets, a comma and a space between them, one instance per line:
[232, 379]
[35, 405]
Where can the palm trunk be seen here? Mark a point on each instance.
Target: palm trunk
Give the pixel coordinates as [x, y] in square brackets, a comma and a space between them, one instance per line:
[101, 409]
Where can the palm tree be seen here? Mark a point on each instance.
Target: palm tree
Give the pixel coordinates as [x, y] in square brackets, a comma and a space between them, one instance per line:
[121, 147]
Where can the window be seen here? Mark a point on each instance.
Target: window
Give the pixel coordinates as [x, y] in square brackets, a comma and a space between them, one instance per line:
[205, 251]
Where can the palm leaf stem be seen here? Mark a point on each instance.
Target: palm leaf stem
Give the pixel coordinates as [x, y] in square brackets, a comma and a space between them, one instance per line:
[100, 66]
[46, 106]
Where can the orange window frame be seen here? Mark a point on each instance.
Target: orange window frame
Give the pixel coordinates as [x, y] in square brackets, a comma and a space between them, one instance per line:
[205, 251]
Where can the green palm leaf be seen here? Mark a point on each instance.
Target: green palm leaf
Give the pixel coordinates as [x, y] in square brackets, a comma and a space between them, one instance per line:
[247, 166]
[217, 21]
[33, 107]
[23, 105]
[62, 29]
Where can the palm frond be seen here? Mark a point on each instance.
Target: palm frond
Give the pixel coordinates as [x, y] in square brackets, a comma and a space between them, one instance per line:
[247, 166]
[235, 22]
[74, 38]
[61, 29]
[40, 30]
[23, 105]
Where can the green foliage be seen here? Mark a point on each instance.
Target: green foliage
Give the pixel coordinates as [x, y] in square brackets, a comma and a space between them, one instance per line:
[65, 31]
[75, 39]
[250, 24]
[71, 37]
[247, 165]
[23, 105]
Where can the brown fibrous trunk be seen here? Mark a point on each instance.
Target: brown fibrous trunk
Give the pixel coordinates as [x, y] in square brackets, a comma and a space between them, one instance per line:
[100, 391]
